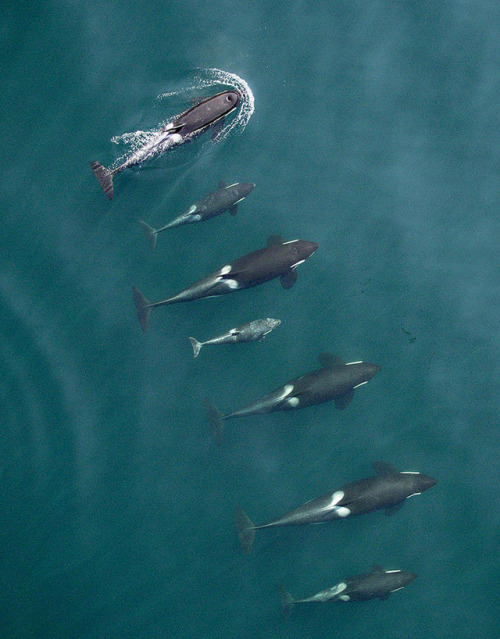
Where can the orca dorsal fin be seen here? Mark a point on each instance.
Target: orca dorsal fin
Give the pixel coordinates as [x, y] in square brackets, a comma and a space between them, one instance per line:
[377, 568]
[288, 278]
[384, 468]
[222, 184]
[327, 360]
[274, 240]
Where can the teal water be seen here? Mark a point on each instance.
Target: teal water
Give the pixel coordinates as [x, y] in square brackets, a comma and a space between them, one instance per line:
[376, 134]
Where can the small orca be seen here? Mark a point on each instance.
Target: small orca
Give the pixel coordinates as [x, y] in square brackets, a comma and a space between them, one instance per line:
[183, 127]
[278, 259]
[226, 198]
[388, 490]
[248, 332]
[377, 584]
[335, 380]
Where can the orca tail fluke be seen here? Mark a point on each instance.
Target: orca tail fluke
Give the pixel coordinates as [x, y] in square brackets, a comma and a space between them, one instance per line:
[104, 177]
[216, 419]
[246, 530]
[143, 308]
[151, 234]
[196, 348]
[287, 602]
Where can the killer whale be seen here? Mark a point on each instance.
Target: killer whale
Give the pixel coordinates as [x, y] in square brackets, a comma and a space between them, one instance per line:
[226, 198]
[335, 380]
[277, 259]
[387, 490]
[185, 126]
[377, 584]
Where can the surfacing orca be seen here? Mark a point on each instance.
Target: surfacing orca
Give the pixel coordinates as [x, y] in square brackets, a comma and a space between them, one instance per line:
[226, 198]
[335, 380]
[278, 259]
[253, 331]
[186, 126]
[388, 490]
[377, 584]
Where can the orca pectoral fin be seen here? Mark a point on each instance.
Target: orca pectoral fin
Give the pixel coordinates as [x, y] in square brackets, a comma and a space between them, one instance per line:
[377, 568]
[392, 510]
[384, 468]
[343, 402]
[327, 360]
[274, 240]
[233, 209]
[289, 278]
[217, 128]
[223, 184]
[384, 597]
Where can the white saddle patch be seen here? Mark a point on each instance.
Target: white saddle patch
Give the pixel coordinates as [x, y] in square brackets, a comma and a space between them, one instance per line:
[232, 284]
[191, 209]
[344, 597]
[293, 402]
[225, 269]
[342, 511]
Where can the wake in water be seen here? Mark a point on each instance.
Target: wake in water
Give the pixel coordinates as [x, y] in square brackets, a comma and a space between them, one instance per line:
[210, 113]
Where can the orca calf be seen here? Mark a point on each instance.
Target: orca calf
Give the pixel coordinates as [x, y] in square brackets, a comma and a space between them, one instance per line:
[226, 198]
[377, 584]
[255, 330]
[387, 490]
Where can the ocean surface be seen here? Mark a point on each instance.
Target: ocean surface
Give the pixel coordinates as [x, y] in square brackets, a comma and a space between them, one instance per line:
[376, 133]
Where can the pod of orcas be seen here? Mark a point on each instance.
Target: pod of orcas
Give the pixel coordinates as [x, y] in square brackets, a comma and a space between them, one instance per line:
[335, 380]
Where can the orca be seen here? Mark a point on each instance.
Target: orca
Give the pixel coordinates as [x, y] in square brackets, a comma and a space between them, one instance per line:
[387, 490]
[184, 127]
[226, 198]
[255, 330]
[335, 380]
[277, 259]
[377, 584]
